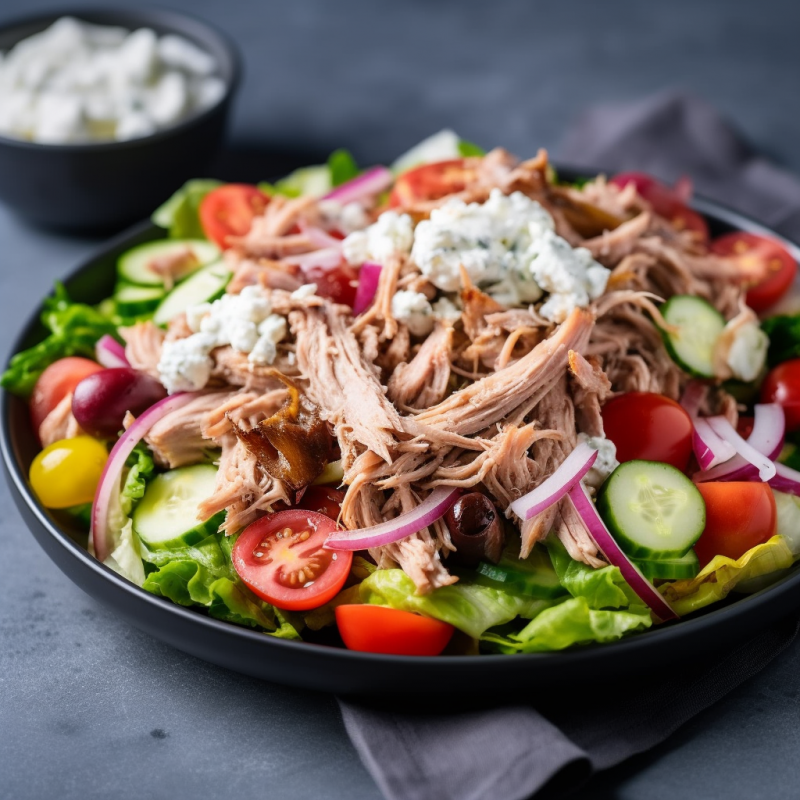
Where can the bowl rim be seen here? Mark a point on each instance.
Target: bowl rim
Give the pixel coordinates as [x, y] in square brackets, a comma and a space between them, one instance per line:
[591, 654]
[169, 18]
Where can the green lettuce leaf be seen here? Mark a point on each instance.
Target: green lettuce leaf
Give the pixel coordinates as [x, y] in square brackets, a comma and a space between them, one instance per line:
[571, 622]
[126, 558]
[467, 149]
[469, 607]
[601, 588]
[74, 331]
[179, 215]
[140, 469]
[342, 167]
[783, 331]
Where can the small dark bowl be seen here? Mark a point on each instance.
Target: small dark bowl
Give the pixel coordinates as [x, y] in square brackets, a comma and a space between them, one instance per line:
[101, 185]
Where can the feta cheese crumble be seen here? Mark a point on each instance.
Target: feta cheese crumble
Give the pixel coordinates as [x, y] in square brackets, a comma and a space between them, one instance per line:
[244, 321]
[415, 310]
[509, 247]
[391, 233]
[606, 461]
[77, 82]
[748, 352]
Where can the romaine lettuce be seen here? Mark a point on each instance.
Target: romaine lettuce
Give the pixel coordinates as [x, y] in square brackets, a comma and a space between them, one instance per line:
[180, 214]
[74, 331]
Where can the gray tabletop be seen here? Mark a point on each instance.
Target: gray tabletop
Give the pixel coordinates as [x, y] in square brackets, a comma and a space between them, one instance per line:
[92, 708]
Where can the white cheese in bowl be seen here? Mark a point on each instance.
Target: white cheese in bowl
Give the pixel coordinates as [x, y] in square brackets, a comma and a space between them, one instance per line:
[77, 83]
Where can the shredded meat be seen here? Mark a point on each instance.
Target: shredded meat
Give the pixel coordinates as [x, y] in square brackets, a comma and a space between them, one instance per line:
[424, 380]
[173, 266]
[143, 346]
[59, 423]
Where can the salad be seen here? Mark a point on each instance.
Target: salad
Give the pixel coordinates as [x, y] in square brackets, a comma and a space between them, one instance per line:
[456, 405]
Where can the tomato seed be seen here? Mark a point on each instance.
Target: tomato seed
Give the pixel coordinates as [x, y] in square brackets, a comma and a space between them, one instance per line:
[258, 554]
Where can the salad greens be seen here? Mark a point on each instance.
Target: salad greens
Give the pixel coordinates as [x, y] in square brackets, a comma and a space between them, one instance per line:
[179, 215]
[74, 331]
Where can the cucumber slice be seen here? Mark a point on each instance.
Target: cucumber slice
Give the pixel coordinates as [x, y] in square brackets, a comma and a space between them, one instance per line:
[652, 509]
[203, 286]
[135, 300]
[134, 265]
[534, 577]
[699, 325]
[166, 517]
[671, 569]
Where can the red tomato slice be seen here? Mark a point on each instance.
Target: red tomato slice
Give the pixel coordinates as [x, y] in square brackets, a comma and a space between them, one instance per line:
[338, 283]
[432, 181]
[56, 382]
[281, 558]
[760, 253]
[739, 515]
[782, 385]
[650, 427]
[376, 629]
[229, 211]
[322, 500]
[666, 202]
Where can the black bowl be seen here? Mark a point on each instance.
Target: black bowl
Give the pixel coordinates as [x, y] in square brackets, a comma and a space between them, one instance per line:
[325, 668]
[109, 184]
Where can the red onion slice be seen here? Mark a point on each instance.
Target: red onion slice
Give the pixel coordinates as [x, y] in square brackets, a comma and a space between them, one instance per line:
[611, 550]
[769, 428]
[319, 237]
[726, 431]
[109, 480]
[709, 448]
[575, 466]
[368, 278]
[327, 258]
[786, 480]
[433, 507]
[110, 353]
[368, 184]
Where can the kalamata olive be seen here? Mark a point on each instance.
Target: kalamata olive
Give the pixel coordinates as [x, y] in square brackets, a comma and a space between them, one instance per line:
[100, 400]
[476, 530]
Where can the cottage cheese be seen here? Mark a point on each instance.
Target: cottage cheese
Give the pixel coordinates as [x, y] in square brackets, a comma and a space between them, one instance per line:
[391, 234]
[748, 352]
[415, 310]
[244, 321]
[77, 82]
[606, 461]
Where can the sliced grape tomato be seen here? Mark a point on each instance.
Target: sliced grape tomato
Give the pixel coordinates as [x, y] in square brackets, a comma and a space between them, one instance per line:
[281, 558]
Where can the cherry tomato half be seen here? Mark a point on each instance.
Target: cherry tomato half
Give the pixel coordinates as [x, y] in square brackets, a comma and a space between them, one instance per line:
[432, 181]
[339, 284]
[757, 252]
[649, 427]
[782, 385]
[376, 629]
[56, 382]
[739, 515]
[66, 473]
[281, 558]
[323, 500]
[665, 202]
[229, 211]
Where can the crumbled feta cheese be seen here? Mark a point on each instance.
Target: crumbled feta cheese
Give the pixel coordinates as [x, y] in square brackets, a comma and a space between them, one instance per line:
[392, 233]
[606, 461]
[414, 309]
[509, 247]
[244, 321]
[446, 310]
[306, 290]
[346, 218]
[748, 352]
[76, 82]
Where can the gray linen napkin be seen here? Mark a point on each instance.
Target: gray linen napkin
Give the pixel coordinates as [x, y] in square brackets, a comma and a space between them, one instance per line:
[496, 749]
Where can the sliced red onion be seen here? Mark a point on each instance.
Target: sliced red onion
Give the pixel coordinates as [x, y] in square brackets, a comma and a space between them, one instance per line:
[368, 184]
[319, 237]
[605, 542]
[726, 431]
[433, 507]
[110, 353]
[327, 258]
[575, 466]
[368, 278]
[786, 480]
[709, 449]
[109, 487]
[692, 397]
[769, 428]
